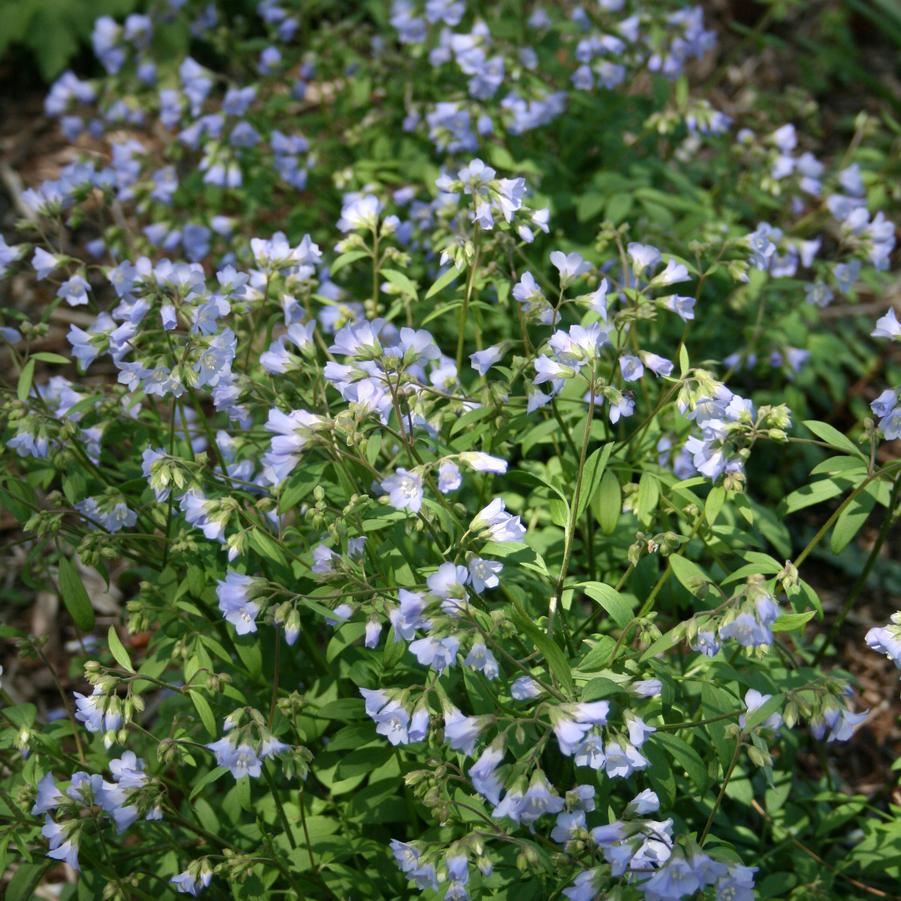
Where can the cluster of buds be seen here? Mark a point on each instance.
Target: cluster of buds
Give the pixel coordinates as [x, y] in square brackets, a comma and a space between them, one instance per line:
[663, 543]
[104, 711]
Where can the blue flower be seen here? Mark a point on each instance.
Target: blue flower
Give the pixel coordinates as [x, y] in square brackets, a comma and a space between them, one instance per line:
[437, 653]
[888, 327]
[461, 732]
[449, 478]
[409, 859]
[755, 700]
[404, 490]
[538, 800]
[406, 618]
[622, 759]
[569, 265]
[63, 842]
[449, 581]
[48, 796]
[239, 759]
[483, 573]
[483, 360]
[98, 711]
[497, 524]
[643, 256]
[524, 689]
[44, 263]
[194, 879]
[483, 773]
[480, 658]
[234, 593]
[584, 888]
[747, 631]
[74, 291]
[887, 639]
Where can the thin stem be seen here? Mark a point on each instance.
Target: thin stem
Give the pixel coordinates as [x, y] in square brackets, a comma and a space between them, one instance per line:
[664, 576]
[861, 581]
[306, 832]
[470, 282]
[65, 701]
[691, 724]
[722, 792]
[869, 889]
[279, 807]
[574, 507]
[275, 672]
[838, 512]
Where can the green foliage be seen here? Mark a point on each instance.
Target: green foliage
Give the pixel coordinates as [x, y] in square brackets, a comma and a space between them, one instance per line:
[54, 31]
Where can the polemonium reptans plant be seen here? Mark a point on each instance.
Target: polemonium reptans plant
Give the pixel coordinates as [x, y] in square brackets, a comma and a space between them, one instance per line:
[439, 396]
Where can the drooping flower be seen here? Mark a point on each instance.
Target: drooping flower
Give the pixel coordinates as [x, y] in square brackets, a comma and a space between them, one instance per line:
[497, 523]
[234, 593]
[239, 759]
[461, 732]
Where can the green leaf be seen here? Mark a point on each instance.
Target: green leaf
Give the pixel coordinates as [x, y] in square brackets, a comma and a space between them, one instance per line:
[204, 711]
[58, 42]
[266, 546]
[608, 502]
[21, 714]
[601, 687]
[685, 755]
[402, 282]
[618, 207]
[346, 259]
[665, 642]
[75, 596]
[683, 360]
[648, 496]
[501, 158]
[610, 599]
[555, 657]
[212, 776]
[843, 464]
[765, 711]
[301, 483]
[443, 281]
[688, 573]
[47, 357]
[851, 521]
[117, 649]
[714, 503]
[242, 792]
[590, 205]
[833, 437]
[25, 880]
[814, 493]
[595, 466]
[343, 709]
[789, 622]
[26, 376]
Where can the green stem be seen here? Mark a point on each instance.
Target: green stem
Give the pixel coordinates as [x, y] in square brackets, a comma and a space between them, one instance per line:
[306, 832]
[464, 310]
[574, 507]
[722, 793]
[865, 572]
[838, 512]
[691, 724]
[279, 807]
[649, 603]
[376, 265]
